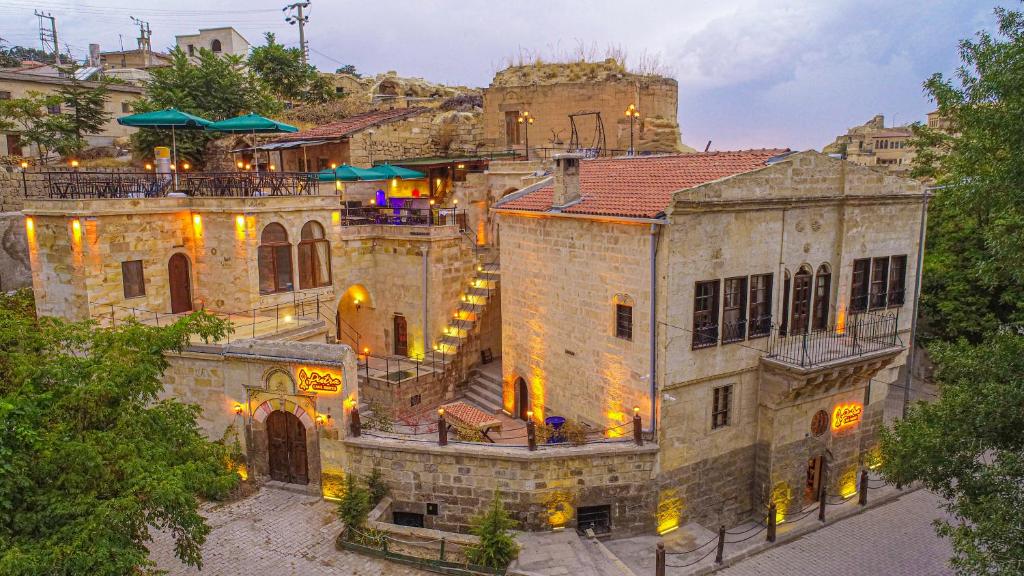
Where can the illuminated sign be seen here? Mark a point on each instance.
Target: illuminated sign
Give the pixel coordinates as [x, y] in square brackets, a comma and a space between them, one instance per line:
[318, 380]
[846, 415]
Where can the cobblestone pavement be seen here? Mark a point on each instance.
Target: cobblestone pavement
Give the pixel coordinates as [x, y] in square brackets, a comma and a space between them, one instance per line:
[274, 533]
[896, 539]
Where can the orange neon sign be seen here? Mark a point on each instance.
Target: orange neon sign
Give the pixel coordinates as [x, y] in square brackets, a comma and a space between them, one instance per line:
[846, 415]
[319, 380]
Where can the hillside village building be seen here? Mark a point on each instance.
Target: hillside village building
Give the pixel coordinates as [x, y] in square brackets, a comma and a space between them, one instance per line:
[220, 40]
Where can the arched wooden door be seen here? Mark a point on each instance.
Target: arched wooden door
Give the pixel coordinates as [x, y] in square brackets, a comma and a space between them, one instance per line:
[286, 447]
[522, 398]
[180, 284]
[401, 336]
[801, 301]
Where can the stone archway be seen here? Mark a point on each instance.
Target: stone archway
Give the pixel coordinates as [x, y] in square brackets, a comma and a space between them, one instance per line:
[284, 440]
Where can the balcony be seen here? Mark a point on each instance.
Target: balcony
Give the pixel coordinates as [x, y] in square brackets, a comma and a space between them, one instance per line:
[113, 184]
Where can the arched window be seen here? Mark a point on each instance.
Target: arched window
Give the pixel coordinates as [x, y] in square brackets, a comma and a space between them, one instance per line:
[801, 311]
[275, 260]
[314, 257]
[215, 45]
[822, 297]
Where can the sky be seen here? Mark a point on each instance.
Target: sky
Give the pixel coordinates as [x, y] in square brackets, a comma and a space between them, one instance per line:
[751, 73]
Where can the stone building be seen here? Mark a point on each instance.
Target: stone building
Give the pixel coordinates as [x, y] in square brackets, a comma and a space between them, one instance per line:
[873, 144]
[754, 305]
[221, 40]
[601, 90]
[20, 84]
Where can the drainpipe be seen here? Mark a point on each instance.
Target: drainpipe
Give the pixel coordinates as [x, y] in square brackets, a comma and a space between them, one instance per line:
[917, 298]
[426, 323]
[654, 325]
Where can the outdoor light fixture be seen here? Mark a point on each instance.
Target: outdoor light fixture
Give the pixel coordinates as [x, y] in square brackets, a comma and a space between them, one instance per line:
[455, 201]
[174, 168]
[186, 166]
[240, 164]
[30, 224]
[358, 303]
[272, 167]
[431, 201]
[366, 351]
[461, 166]
[525, 119]
[529, 414]
[632, 113]
[149, 166]
[287, 318]
[24, 164]
[74, 163]
[319, 419]
[636, 410]
[238, 409]
[240, 221]
[333, 165]
[440, 412]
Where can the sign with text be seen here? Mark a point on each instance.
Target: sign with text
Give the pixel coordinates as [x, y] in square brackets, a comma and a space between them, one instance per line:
[846, 415]
[318, 379]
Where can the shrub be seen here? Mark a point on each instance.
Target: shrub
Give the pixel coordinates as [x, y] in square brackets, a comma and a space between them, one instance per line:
[574, 432]
[377, 487]
[380, 418]
[354, 505]
[497, 545]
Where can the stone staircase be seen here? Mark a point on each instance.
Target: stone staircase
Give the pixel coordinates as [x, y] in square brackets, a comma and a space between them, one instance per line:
[482, 287]
[484, 388]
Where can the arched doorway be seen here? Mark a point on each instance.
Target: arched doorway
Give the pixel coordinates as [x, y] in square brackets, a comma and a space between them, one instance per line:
[286, 448]
[180, 283]
[801, 301]
[522, 398]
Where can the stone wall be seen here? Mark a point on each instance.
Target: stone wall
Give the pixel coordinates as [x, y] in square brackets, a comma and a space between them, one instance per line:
[561, 280]
[541, 489]
[550, 103]
[15, 268]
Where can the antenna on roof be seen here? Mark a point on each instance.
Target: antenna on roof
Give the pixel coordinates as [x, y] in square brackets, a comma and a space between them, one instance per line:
[708, 147]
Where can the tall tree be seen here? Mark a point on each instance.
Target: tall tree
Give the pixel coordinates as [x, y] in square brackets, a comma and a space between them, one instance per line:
[288, 76]
[90, 459]
[968, 446]
[215, 86]
[29, 116]
[84, 107]
[973, 278]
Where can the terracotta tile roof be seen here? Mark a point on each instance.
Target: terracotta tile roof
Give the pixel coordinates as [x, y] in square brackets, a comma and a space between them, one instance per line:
[642, 187]
[352, 124]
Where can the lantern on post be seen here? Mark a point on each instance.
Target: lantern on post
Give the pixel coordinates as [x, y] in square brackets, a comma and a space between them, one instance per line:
[637, 428]
[531, 431]
[442, 428]
[525, 119]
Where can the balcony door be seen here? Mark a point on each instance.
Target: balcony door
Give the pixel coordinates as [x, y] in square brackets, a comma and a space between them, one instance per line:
[801, 301]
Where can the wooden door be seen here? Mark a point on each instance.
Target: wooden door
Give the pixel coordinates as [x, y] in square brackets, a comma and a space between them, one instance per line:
[522, 398]
[812, 487]
[180, 284]
[401, 336]
[286, 447]
[801, 303]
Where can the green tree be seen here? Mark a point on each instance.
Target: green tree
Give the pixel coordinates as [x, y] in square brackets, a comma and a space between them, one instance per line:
[354, 505]
[15, 55]
[84, 110]
[973, 278]
[349, 69]
[497, 545]
[90, 458]
[215, 87]
[282, 68]
[29, 117]
[968, 446]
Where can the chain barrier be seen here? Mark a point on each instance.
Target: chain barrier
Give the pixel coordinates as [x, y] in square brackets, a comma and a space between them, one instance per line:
[748, 537]
[692, 549]
[693, 562]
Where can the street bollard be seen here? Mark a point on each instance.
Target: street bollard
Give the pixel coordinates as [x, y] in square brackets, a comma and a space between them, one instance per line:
[862, 498]
[659, 560]
[638, 436]
[355, 425]
[772, 511]
[823, 494]
[441, 558]
[721, 544]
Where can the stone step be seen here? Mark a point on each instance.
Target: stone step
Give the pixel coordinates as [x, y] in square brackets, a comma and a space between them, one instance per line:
[449, 343]
[471, 308]
[484, 400]
[475, 291]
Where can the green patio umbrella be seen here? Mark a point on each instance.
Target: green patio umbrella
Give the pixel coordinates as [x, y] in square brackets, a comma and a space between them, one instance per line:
[251, 124]
[346, 173]
[387, 171]
[163, 119]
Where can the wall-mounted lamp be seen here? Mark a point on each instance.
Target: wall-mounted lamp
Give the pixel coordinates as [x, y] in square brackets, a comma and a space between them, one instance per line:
[240, 164]
[320, 420]
[358, 303]
[74, 163]
[148, 166]
[240, 221]
[24, 164]
[238, 409]
[186, 166]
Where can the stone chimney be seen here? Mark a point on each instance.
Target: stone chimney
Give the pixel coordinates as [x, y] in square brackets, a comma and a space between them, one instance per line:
[567, 180]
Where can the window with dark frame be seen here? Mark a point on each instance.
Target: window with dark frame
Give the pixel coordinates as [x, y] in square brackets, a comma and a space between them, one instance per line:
[859, 289]
[275, 260]
[879, 282]
[734, 309]
[722, 397]
[314, 257]
[624, 321]
[822, 297]
[705, 314]
[133, 279]
[760, 315]
[897, 280]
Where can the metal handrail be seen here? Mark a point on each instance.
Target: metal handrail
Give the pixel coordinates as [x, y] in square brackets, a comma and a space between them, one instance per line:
[862, 333]
[85, 184]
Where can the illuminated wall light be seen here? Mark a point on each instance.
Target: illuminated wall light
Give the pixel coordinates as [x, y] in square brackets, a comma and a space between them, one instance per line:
[186, 166]
[333, 165]
[240, 164]
[240, 221]
[149, 166]
[272, 167]
[24, 164]
[74, 163]
[76, 227]
[288, 317]
[30, 224]
[238, 409]
[670, 511]
[197, 220]
[335, 217]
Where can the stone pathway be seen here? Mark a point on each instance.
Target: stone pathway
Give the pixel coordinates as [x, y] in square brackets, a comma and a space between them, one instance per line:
[274, 532]
[896, 539]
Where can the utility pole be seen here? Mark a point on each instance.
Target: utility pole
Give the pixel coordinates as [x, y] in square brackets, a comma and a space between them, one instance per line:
[49, 37]
[300, 19]
[145, 45]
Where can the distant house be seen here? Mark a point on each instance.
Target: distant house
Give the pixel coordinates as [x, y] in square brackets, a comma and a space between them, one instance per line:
[223, 40]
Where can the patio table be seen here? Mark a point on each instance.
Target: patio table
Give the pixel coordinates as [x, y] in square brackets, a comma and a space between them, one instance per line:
[466, 416]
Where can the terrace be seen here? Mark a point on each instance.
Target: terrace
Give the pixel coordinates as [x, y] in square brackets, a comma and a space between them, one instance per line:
[112, 184]
[862, 335]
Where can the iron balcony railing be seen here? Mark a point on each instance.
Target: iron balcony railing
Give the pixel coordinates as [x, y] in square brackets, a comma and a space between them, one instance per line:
[357, 215]
[860, 334]
[87, 184]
